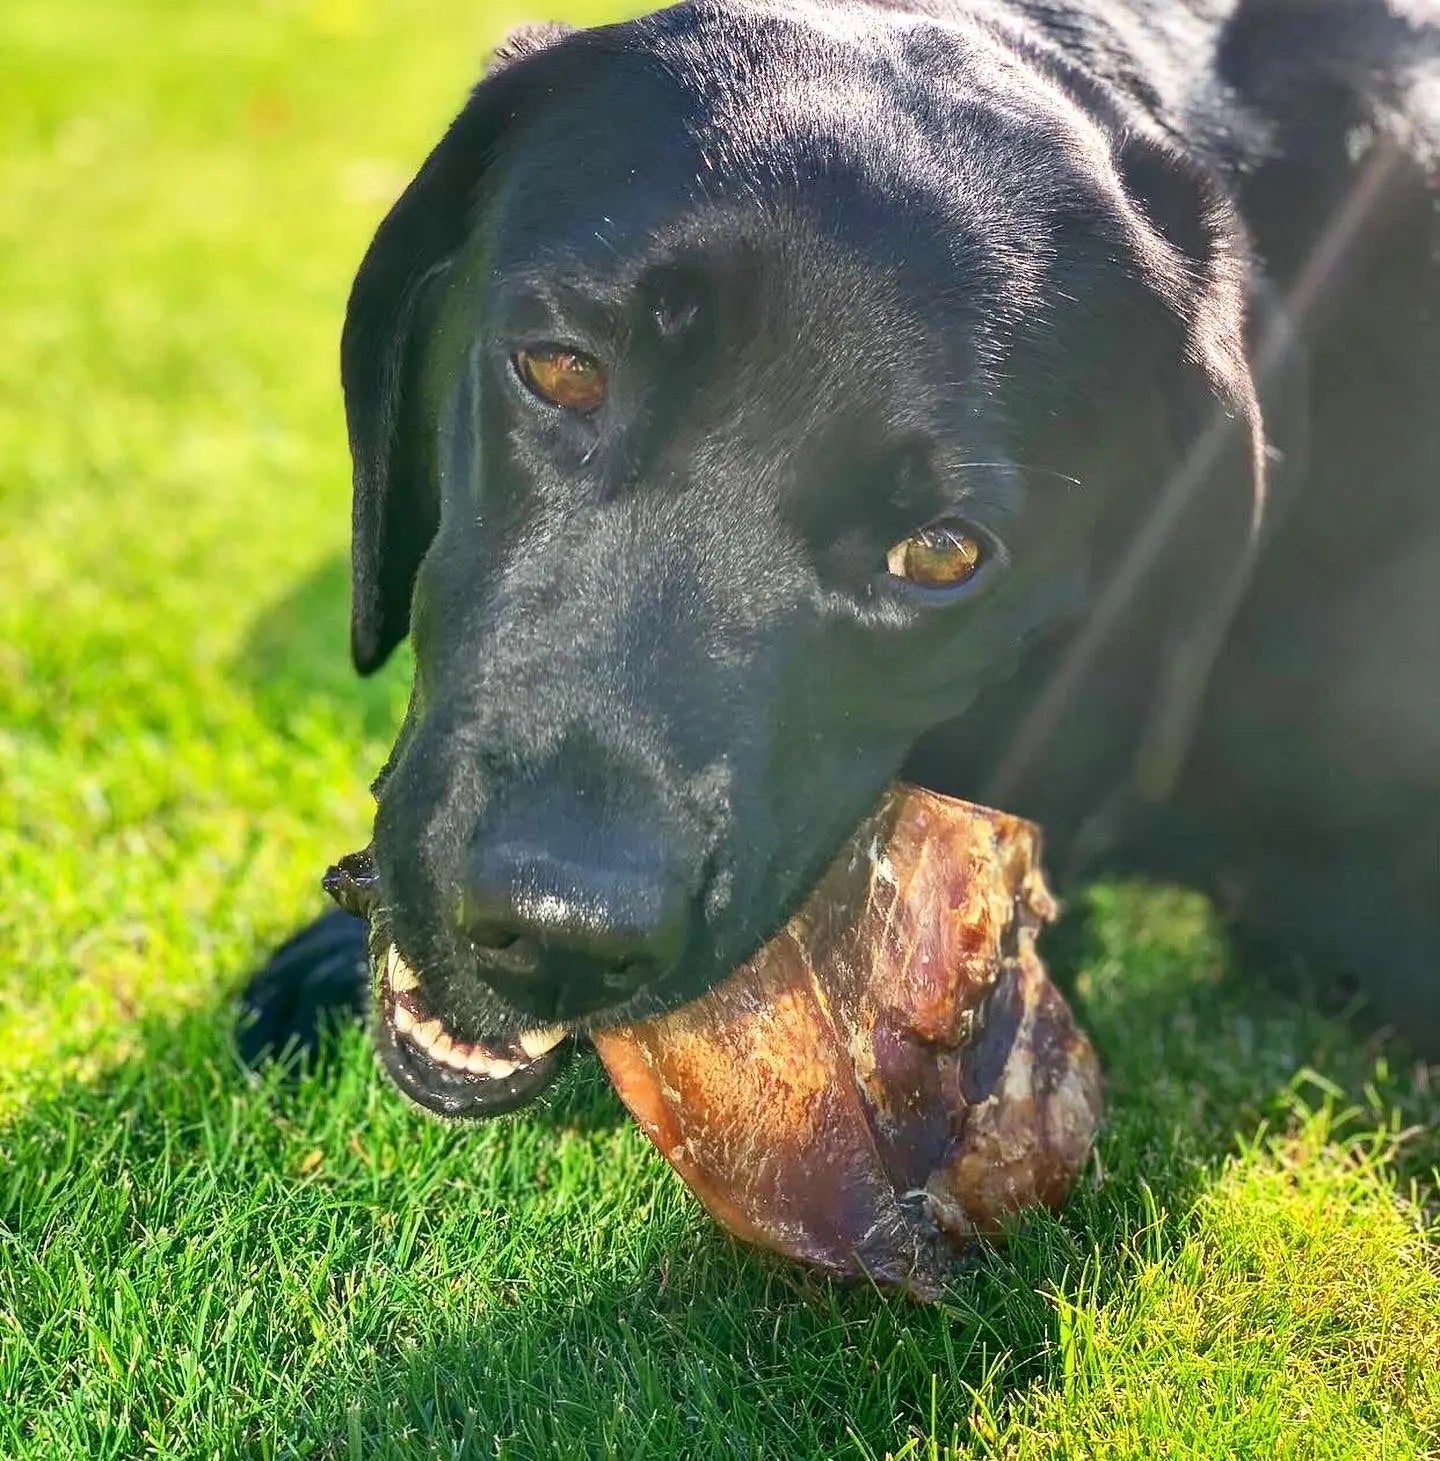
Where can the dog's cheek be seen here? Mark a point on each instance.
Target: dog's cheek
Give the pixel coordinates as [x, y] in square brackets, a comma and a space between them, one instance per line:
[902, 684]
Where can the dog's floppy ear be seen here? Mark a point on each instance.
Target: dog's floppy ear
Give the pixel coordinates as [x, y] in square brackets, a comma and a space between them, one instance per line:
[1208, 521]
[1174, 545]
[396, 511]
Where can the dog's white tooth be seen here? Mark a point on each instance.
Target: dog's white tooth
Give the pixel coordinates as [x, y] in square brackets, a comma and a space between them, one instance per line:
[442, 1046]
[404, 1019]
[476, 1060]
[498, 1070]
[536, 1043]
[402, 976]
[425, 1035]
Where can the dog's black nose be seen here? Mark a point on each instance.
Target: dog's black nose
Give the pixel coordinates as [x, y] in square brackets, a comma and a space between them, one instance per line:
[560, 938]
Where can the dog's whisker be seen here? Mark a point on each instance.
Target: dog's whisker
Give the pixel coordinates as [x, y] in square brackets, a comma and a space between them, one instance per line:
[1025, 467]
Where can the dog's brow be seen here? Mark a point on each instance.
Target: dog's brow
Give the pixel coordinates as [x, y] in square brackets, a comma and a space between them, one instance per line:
[559, 293]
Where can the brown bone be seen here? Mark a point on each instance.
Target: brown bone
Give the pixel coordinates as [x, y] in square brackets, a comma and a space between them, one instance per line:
[893, 1073]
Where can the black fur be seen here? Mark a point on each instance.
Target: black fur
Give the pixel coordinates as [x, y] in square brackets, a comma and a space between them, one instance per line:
[1051, 266]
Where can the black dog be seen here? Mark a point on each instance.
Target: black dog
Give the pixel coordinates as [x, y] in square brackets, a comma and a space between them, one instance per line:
[756, 402]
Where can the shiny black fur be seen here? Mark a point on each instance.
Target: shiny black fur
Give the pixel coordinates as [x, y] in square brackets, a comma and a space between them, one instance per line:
[1047, 265]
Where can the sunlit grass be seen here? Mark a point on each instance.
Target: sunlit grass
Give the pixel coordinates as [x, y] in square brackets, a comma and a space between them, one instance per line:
[194, 1264]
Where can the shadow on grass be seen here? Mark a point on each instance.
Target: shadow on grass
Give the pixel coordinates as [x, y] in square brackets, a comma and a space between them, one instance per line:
[543, 1286]
[296, 659]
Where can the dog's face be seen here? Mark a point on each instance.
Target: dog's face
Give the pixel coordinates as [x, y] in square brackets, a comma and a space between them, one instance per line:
[728, 449]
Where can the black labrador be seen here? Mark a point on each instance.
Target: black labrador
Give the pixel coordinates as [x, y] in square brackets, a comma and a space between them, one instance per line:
[756, 402]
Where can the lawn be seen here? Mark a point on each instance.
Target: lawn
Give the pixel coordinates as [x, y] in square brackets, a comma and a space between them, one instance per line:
[197, 1263]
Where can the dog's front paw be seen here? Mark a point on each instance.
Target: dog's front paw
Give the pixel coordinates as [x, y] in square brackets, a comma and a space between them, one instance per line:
[319, 976]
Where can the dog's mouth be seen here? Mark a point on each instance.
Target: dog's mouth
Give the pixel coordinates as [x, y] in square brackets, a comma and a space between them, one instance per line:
[453, 1077]
[421, 1054]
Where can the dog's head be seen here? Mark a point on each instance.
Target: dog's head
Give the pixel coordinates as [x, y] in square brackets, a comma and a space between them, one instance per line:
[734, 398]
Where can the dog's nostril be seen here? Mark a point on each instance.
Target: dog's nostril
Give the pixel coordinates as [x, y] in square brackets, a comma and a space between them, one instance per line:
[497, 939]
[506, 948]
[626, 977]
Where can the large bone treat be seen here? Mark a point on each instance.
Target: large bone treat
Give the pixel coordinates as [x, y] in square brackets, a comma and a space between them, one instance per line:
[893, 1073]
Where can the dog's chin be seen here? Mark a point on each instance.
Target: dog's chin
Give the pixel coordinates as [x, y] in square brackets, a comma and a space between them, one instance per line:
[448, 1076]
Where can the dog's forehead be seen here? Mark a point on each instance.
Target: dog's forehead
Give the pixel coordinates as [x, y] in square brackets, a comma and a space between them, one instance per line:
[634, 198]
[599, 224]
[704, 127]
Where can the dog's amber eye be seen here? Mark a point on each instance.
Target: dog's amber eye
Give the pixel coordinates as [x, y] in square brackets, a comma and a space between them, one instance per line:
[566, 378]
[940, 556]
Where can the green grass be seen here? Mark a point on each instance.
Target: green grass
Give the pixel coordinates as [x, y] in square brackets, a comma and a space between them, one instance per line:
[193, 1263]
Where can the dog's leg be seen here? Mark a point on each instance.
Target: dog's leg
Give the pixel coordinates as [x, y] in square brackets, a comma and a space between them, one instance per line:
[319, 975]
